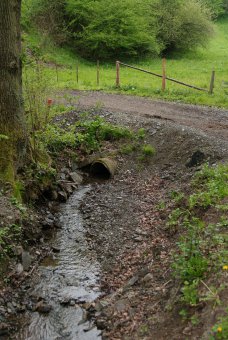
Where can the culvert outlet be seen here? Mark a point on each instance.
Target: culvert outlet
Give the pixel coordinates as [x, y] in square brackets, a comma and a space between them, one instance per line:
[103, 168]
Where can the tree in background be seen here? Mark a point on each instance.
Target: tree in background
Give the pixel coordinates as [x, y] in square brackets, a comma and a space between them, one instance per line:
[12, 125]
[181, 24]
[217, 7]
[108, 29]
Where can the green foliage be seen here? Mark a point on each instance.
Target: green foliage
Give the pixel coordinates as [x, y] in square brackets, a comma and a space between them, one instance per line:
[220, 330]
[105, 29]
[181, 24]
[212, 184]
[86, 135]
[8, 236]
[217, 7]
[3, 137]
[202, 246]
[148, 150]
[190, 293]
[122, 29]
[48, 15]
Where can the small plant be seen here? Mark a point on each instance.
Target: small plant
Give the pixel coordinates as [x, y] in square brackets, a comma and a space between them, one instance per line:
[202, 247]
[220, 330]
[148, 150]
[213, 186]
[184, 314]
[127, 149]
[18, 205]
[190, 293]
[3, 137]
[8, 236]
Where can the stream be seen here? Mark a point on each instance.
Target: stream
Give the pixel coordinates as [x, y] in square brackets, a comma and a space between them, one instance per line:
[65, 281]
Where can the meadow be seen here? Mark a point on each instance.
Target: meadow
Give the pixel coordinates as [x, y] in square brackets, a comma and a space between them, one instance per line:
[194, 67]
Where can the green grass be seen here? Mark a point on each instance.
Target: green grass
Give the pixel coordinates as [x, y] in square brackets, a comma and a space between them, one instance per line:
[190, 67]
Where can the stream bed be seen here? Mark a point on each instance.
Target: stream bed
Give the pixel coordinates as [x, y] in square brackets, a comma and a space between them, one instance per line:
[64, 281]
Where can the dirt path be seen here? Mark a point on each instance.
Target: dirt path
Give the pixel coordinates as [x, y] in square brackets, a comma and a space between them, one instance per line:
[210, 121]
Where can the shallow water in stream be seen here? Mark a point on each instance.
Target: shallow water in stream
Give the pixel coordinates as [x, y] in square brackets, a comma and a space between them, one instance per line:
[71, 277]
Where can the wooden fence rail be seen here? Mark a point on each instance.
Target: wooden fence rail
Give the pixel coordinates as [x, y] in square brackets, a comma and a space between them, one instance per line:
[163, 76]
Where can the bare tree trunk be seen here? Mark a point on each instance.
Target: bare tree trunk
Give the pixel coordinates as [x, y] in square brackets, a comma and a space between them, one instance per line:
[12, 125]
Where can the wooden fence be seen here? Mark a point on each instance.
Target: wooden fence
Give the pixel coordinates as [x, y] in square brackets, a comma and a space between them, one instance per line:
[163, 76]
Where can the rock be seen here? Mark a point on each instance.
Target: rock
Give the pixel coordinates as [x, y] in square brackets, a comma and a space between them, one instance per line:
[62, 196]
[62, 176]
[121, 305]
[131, 282]
[19, 269]
[197, 158]
[26, 260]
[48, 222]
[187, 330]
[55, 249]
[72, 303]
[4, 328]
[43, 308]
[101, 323]
[54, 195]
[76, 178]
[147, 278]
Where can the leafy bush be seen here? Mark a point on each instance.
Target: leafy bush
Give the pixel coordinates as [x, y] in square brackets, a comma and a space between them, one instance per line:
[217, 7]
[212, 184]
[181, 24]
[123, 29]
[48, 16]
[105, 29]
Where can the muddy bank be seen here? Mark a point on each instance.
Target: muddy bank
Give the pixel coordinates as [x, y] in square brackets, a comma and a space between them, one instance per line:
[124, 239]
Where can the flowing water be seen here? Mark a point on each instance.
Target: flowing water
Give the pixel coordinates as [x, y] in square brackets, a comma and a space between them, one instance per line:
[72, 277]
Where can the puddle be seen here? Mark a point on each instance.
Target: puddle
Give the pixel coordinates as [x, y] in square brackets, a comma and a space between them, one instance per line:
[70, 276]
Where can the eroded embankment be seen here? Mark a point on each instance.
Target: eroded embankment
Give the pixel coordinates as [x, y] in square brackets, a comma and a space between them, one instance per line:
[123, 228]
[126, 220]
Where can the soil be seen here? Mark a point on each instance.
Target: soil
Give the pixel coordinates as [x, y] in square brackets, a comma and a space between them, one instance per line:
[125, 217]
[210, 121]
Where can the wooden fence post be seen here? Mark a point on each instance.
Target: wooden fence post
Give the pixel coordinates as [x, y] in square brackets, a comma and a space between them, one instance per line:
[77, 73]
[117, 74]
[98, 72]
[163, 74]
[212, 82]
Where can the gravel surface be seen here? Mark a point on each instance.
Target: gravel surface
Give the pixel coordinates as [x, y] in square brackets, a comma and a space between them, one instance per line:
[208, 120]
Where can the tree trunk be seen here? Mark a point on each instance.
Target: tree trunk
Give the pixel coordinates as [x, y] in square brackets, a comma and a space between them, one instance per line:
[12, 125]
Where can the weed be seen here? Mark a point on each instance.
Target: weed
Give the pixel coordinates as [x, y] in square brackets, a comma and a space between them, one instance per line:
[18, 205]
[213, 186]
[161, 205]
[194, 320]
[8, 235]
[202, 246]
[128, 149]
[220, 330]
[184, 314]
[190, 293]
[177, 196]
[148, 150]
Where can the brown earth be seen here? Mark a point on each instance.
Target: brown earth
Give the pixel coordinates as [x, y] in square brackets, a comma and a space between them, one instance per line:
[127, 224]
[210, 121]
[126, 218]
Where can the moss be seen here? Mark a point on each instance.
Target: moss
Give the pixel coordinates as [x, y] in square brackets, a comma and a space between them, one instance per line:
[18, 190]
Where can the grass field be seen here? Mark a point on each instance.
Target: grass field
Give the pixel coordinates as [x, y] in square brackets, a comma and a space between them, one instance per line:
[193, 67]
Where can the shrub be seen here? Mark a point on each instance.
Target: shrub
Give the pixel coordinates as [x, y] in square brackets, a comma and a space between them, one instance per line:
[180, 24]
[105, 29]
